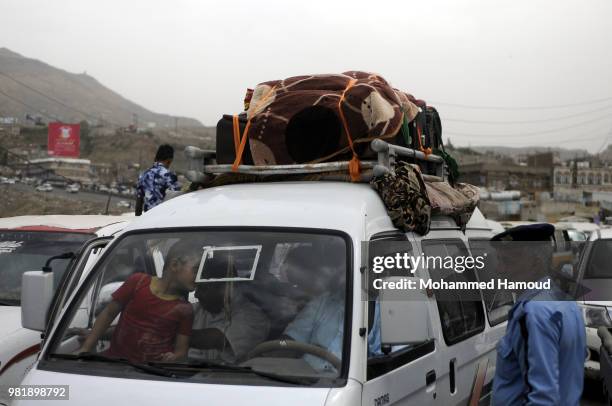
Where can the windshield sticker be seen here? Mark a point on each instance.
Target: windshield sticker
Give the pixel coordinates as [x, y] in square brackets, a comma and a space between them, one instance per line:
[7, 247]
[228, 264]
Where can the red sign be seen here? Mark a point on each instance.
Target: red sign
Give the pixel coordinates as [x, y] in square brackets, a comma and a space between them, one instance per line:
[64, 140]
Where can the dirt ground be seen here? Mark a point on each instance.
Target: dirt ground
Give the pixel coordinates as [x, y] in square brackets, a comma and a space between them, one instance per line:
[20, 203]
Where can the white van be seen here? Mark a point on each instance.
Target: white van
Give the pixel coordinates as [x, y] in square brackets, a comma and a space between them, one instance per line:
[448, 355]
[27, 243]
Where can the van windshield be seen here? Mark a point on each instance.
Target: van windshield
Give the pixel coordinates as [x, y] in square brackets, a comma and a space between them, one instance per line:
[22, 251]
[209, 305]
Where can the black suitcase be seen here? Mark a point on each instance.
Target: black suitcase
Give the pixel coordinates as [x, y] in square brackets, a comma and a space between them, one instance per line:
[226, 152]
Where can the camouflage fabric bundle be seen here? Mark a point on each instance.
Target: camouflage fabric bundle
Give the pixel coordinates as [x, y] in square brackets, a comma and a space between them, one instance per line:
[405, 197]
[450, 201]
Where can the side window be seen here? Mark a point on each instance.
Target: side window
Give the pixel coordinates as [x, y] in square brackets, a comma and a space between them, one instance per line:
[461, 318]
[497, 303]
[381, 362]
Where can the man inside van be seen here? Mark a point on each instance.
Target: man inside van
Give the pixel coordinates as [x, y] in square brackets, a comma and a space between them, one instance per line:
[321, 321]
[226, 324]
[540, 360]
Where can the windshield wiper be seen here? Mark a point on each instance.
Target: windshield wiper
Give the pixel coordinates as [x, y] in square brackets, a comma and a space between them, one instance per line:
[209, 365]
[4, 302]
[148, 368]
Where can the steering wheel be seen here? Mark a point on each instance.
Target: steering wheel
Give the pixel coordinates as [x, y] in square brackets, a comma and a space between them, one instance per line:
[296, 346]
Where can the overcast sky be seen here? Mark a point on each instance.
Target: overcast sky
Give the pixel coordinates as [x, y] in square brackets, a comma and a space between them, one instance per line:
[196, 58]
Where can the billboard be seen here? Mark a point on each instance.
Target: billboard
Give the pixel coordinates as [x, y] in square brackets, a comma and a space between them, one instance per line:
[64, 140]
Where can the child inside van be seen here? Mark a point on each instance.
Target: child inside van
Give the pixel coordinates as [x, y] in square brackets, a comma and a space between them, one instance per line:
[156, 319]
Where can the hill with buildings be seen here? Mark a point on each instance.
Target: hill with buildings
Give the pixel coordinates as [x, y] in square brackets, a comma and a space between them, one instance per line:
[31, 88]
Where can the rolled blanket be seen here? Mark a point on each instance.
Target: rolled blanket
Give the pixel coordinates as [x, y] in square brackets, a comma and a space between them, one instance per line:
[310, 118]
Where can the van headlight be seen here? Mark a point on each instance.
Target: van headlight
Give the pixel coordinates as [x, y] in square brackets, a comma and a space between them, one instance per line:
[596, 316]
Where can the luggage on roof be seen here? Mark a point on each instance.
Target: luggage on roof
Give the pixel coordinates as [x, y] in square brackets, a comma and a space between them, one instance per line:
[327, 127]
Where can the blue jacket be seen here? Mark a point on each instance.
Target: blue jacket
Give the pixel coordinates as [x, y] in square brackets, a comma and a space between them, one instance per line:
[153, 183]
[540, 360]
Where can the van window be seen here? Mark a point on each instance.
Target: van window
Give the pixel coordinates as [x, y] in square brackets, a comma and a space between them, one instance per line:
[460, 318]
[497, 302]
[257, 306]
[599, 261]
[379, 362]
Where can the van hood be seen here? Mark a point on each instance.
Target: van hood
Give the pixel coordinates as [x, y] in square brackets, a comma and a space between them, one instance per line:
[97, 391]
[10, 320]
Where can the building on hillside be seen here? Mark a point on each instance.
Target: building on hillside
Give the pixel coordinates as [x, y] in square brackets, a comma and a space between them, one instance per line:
[59, 170]
[529, 180]
[9, 126]
[581, 182]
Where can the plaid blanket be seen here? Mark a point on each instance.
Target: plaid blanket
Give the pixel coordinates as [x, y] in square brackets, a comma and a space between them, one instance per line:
[370, 106]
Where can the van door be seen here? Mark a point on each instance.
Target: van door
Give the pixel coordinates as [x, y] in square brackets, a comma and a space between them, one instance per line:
[464, 350]
[406, 375]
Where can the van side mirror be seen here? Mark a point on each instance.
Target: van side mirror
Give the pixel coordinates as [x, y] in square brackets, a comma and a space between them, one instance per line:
[36, 295]
[404, 314]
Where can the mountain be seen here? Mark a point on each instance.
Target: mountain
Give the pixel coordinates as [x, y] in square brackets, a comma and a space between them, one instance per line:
[76, 96]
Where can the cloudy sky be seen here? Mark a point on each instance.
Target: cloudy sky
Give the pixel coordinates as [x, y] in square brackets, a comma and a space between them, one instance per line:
[515, 73]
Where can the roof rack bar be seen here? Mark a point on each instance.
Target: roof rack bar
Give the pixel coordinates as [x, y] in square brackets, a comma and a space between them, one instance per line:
[201, 164]
[287, 169]
[383, 147]
[387, 153]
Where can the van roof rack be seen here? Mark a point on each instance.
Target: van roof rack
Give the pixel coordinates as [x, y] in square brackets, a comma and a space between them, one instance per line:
[201, 164]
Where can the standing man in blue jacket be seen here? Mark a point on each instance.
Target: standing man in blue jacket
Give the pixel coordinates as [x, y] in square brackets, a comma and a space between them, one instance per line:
[155, 181]
[540, 360]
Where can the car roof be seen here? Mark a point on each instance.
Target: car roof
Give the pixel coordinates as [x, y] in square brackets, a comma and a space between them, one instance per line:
[67, 223]
[604, 234]
[326, 205]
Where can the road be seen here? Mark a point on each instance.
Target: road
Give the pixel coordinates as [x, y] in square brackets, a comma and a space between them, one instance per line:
[83, 196]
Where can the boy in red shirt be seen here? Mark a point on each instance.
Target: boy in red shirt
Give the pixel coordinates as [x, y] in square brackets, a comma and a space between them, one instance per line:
[155, 322]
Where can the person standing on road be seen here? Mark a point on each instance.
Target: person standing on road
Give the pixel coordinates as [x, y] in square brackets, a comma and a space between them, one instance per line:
[155, 181]
[540, 359]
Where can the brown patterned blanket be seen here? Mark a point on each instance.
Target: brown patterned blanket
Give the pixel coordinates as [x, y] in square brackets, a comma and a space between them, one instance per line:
[349, 107]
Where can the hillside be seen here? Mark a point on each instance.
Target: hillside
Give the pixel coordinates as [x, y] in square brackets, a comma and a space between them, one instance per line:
[77, 96]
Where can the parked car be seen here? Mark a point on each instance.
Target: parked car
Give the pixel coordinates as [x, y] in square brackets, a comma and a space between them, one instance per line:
[45, 187]
[27, 243]
[123, 203]
[74, 188]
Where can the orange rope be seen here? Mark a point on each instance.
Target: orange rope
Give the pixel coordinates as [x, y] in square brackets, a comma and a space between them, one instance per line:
[236, 127]
[426, 151]
[243, 141]
[354, 164]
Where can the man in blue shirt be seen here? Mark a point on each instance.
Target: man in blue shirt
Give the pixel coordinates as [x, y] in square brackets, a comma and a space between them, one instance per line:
[540, 359]
[155, 181]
